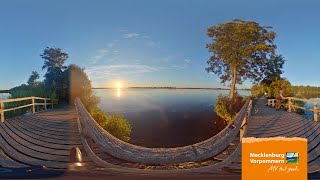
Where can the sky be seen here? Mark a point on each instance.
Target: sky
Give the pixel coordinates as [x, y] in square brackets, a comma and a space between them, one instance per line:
[149, 42]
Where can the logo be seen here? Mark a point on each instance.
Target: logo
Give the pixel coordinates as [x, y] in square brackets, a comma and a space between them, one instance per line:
[292, 158]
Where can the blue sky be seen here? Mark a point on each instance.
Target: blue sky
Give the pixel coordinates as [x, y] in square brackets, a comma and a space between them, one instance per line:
[148, 42]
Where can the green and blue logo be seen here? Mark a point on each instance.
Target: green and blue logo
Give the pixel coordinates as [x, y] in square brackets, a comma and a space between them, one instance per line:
[292, 158]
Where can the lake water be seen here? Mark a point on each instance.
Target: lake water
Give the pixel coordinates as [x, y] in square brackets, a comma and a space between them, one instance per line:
[4, 96]
[165, 117]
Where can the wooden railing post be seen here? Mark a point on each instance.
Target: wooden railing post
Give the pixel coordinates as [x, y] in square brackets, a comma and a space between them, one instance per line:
[315, 112]
[52, 103]
[272, 102]
[268, 102]
[289, 103]
[45, 104]
[1, 111]
[33, 109]
[245, 120]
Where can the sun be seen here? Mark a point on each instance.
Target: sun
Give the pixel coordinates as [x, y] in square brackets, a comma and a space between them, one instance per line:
[119, 85]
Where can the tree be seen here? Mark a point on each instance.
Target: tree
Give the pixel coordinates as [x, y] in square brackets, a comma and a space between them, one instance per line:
[79, 85]
[273, 69]
[32, 81]
[281, 84]
[240, 50]
[54, 59]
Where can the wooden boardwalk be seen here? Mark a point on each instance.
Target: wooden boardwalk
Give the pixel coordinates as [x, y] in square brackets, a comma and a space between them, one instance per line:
[267, 122]
[43, 138]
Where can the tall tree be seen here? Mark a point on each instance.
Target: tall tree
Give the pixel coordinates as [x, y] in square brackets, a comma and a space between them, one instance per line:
[32, 81]
[79, 85]
[54, 59]
[273, 69]
[240, 50]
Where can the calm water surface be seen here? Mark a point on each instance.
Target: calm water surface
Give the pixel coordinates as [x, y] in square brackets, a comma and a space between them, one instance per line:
[165, 117]
[4, 96]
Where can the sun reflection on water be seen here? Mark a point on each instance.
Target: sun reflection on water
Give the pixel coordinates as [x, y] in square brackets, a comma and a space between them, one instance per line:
[119, 92]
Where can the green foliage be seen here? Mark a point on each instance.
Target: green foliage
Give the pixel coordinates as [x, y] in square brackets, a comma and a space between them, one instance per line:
[228, 108]
[118, 127]
[273, 89]
[37, 90]
[79, 85]
[240, 49]
[26, 91]
[273, 69]
[115, 124]
[281, 84]
[257, 90]
[306, 91]
[54, 59]
[32, 81]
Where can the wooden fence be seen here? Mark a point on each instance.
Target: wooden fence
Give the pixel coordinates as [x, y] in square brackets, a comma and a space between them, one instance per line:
[291, 105]
[45, 103]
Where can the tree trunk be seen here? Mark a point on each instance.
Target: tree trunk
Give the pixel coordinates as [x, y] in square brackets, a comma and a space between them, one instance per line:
[233, 84]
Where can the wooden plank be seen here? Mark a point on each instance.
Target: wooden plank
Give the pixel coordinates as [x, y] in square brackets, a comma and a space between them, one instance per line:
[47, 132]
[49, 138]
[19, 107]
[5, 161]
[23, 99]
[33, 145]
[280, 130]
[40, 140]
[50, 127]
[21, 157]
[53, 125]
[28, 150]
[275, 124]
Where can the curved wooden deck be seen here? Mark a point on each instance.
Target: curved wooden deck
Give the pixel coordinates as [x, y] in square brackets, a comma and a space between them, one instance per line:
[267, 122]
[46, 138]
[43, 138]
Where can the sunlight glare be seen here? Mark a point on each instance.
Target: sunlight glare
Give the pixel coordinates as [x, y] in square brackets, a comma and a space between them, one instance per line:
[119, 85]
[119, 93]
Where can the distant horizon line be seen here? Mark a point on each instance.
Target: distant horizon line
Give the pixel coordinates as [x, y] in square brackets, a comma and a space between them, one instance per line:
[169, 87]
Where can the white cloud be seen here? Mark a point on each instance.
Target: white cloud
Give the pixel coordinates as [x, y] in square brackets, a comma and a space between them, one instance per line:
[146, 37]
[151, 43]
[110, 45]
[167, 58]
[187, 61]
[99, 55]
[178, 66]
[103, 71]
[131, 35]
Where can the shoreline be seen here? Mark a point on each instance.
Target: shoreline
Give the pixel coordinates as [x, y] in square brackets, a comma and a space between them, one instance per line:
[166, 88]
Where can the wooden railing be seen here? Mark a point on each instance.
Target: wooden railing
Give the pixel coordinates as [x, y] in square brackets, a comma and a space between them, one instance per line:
[290, 105]
[45, 103]
[133, 153]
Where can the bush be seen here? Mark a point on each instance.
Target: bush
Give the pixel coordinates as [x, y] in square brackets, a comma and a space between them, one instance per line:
[37, 90]
[115, 124]
[281, 84]
[228, 108]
